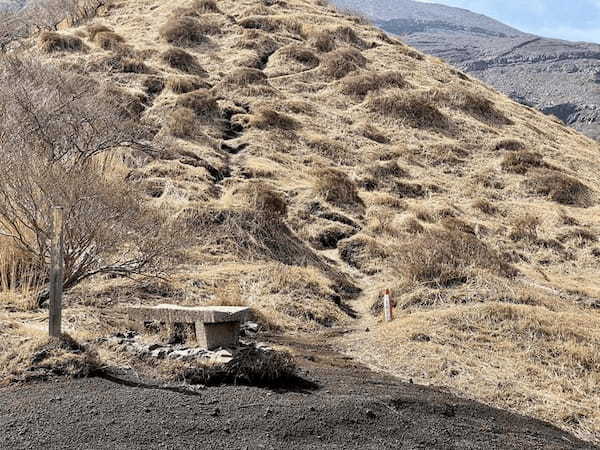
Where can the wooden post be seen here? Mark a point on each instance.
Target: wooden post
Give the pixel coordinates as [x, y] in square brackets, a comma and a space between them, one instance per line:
[56, 272]
[387, 306]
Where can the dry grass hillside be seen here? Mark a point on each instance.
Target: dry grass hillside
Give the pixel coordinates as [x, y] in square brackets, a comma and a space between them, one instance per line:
[313, 161]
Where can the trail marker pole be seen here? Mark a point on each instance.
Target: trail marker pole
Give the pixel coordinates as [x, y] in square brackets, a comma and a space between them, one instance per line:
[387, 306]
[56, 273]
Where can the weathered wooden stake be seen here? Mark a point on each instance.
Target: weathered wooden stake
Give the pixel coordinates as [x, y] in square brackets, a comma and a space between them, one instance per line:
[387, 306]
[56, 272]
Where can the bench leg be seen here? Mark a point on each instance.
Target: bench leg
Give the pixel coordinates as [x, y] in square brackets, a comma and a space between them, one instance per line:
[215, 335]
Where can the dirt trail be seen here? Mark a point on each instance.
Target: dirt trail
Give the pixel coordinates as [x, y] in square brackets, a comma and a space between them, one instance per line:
[350, 407]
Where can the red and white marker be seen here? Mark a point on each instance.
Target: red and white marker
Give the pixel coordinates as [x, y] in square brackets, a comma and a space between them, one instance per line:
[387, 306]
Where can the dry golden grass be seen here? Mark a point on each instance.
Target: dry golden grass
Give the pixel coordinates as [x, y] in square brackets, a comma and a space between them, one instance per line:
[291, 89]
[109, 40]
[50, 42]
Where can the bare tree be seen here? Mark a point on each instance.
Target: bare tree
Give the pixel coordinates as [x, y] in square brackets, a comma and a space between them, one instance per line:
[55, 124]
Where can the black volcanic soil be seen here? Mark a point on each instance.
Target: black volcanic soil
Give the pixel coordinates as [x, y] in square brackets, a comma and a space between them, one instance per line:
[352, 407]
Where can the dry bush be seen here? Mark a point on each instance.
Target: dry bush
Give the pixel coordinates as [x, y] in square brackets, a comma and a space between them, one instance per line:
[446, 258]
[415, 107]
[109, 40]
[336, 187]
[267, 118]
[329, 236]
[520, 162]
[21, 278]
[383, 171]
[183, 31]
[360, 85]
[485, 206]
[181, 60]
[50, 42]
[510, 144]
[245, 76]
[96, 28]
[339, 63]
[256, 40]
[579, 234]
[45, 162]
[322, 40]
[348, 35]
[562, 189]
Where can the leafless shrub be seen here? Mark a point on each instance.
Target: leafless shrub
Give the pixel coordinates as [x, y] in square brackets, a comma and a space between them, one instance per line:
[51, 41]
[182, 60]
[54, 124]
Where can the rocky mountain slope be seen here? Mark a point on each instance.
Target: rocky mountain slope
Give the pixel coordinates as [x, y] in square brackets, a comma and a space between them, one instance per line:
[312, 160]
[555, 76]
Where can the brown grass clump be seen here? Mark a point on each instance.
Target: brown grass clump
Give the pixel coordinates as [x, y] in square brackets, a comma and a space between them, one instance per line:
[183, 123]
[471, 102]
[414, 107]
[96, 28]
[181, 60]
[521, 162]
[202, 102]
[373, 133]
[485, 206]
[267, 118]
[183, 31]
[271, 24]
[446, 258]
[322, 40]
[336, 187]
[510, 144]
[183, 85]
[109, 40]
[360, 85]
[339, 63]
[206, 6]
[300, 55]
[331, 149]
[562, 189]
[245, 76]
[51, 42]
[364, 253]
[44, 357]
[258, 196]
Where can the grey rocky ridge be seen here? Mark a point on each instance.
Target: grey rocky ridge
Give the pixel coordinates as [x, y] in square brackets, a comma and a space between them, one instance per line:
[558, 77]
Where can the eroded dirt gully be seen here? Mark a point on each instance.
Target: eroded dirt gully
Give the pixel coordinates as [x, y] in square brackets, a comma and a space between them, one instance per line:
[349, 407]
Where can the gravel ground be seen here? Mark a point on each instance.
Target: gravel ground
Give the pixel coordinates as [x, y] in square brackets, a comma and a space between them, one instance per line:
[352, 407]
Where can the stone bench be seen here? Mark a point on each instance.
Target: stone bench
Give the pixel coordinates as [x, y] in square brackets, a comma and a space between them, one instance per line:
[216, 326]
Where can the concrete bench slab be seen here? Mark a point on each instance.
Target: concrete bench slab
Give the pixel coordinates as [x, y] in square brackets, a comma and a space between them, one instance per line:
[216, 326]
